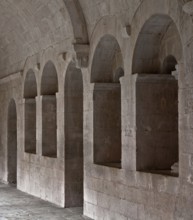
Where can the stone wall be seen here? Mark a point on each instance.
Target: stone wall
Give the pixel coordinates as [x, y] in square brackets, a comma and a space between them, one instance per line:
[126, 193]
[137, 37]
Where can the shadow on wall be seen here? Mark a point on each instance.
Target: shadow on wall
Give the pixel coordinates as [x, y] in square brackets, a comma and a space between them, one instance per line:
[30, 93]
[107, 68]
[12, 142]
[73, 137]
[157, 96]
[49, 88]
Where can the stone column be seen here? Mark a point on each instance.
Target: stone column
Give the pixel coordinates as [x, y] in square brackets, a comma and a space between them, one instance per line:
[128, 122]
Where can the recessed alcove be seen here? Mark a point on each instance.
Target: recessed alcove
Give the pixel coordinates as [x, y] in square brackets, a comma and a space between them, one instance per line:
[49, 88]
[155, 58]
[107, 68]
[30, 93]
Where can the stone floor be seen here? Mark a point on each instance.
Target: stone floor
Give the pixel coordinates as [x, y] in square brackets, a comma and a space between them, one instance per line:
[16, 205]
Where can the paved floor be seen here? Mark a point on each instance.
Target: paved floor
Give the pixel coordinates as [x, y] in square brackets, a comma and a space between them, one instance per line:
[16, 205]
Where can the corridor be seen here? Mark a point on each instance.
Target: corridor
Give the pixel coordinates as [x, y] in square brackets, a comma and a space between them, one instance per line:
[15, 204]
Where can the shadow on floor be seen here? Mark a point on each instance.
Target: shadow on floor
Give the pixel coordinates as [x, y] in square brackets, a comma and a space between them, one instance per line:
[16, 205]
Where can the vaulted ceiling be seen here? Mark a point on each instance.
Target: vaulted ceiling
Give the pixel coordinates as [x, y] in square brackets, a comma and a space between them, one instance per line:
[27, 27]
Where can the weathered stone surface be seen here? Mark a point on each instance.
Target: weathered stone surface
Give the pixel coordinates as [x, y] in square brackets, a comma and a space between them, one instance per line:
[53, 55]
[18, 205]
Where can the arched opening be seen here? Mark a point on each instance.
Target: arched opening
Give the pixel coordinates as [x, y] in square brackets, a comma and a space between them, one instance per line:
[73, 137]
[30, 93]
[107, 68]
[49, 88]
[157, 96]
[12, 142]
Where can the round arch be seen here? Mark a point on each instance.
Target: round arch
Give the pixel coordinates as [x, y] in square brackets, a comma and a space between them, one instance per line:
[108, 26]
[30, 93]
[157, 8]
[78, 20]
[106, 69]
[49, 80]
[157, 147]
[106, 60]
[158, 37]
[30, 85]
[49, 88]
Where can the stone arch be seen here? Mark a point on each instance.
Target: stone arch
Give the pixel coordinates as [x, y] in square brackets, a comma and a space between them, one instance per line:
[12, 142]
[107, 102]
[79, 26]
[107, 58]
[108, 27]
[157, 95]
[78, 21]
[49, 81]
[157, 8]
[30, 85]
[73, 89]
[49, 88]
[149, 52]
[30, 93]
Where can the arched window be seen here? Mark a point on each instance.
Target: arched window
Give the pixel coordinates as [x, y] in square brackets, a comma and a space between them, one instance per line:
[106, 71]
[157, 96]
[49, 88]
[30, 93]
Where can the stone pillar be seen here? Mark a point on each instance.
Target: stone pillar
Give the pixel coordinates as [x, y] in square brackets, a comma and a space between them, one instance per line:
[39, 125]
[88, 123]
[60, 124]
[128, 122]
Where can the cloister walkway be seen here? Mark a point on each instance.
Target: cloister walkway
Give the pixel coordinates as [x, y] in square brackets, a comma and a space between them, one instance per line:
[16, 205]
